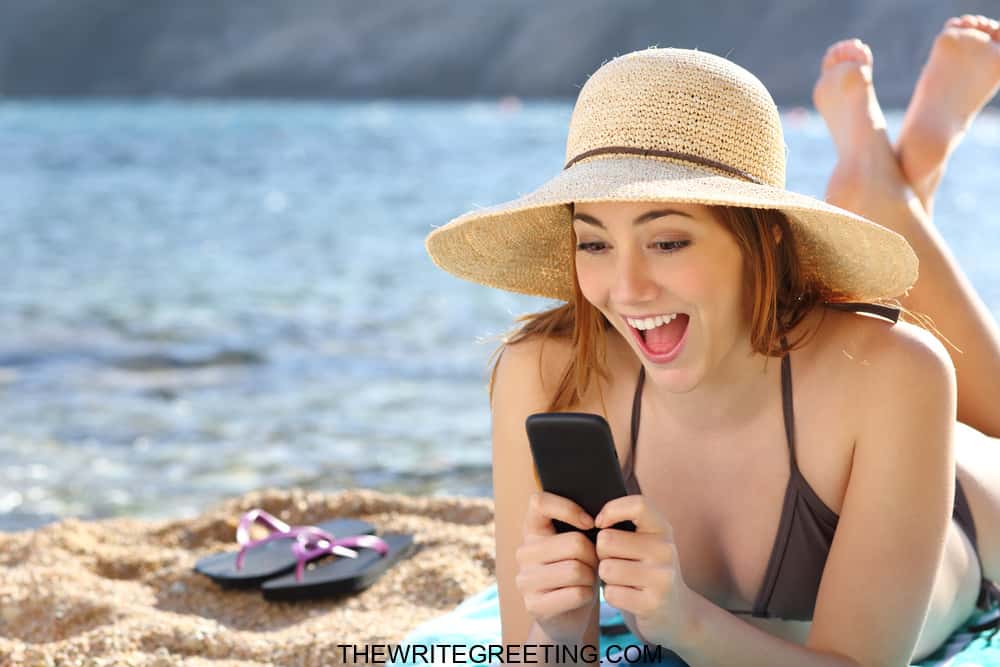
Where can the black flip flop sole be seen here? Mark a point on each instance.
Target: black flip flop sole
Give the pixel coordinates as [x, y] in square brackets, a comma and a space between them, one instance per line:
[270, 559]
[342, 575]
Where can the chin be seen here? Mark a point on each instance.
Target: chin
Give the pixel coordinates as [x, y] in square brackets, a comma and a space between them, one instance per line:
[675, 380]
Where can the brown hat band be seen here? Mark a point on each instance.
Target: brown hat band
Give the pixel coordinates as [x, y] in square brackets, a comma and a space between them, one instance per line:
[646, 152]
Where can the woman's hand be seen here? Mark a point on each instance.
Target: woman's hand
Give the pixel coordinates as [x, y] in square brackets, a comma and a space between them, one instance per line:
[641, 571]
[556, 571]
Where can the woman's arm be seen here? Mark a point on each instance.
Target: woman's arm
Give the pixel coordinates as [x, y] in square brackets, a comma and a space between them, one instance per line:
[719, 638]
[520, 389]
[878, 580]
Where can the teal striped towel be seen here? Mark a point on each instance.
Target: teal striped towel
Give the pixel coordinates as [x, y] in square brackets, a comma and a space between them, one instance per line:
[476, 622]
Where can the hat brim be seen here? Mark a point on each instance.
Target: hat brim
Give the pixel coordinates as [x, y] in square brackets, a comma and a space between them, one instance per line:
[525, 245]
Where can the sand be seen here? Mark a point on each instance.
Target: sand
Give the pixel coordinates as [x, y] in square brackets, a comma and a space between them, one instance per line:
[123, 592]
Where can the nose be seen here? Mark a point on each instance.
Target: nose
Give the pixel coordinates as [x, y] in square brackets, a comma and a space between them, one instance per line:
[633, 281]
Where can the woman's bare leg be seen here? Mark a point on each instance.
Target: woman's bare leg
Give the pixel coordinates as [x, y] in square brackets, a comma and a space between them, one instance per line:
[961, 75]
[869, 181]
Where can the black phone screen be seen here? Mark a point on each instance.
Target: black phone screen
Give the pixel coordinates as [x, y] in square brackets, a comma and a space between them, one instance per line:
[575, 457]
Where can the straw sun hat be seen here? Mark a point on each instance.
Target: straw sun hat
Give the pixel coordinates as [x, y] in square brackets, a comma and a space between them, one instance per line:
[669, 125]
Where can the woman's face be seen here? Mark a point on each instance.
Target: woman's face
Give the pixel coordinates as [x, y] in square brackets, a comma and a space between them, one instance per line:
[639, 261]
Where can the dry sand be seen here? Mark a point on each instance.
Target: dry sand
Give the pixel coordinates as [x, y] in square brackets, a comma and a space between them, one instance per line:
[122, 591]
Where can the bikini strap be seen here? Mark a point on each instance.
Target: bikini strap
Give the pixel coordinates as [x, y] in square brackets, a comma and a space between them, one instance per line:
[786, 402]
[888, 312]
[636, 409]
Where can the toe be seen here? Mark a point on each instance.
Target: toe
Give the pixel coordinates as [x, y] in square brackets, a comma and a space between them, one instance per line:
[832, 56]
[847, 51]
[994, 29]
[840, 53]
[970, 25]
[854, 50]
[868, 55]
[827, 58]
[963, 21]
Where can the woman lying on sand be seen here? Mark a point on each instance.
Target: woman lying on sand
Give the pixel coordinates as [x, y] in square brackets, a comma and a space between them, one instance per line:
[801, 509]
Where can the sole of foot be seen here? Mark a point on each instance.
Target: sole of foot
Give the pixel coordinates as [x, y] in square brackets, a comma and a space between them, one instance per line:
[961, 75]
[845, 97]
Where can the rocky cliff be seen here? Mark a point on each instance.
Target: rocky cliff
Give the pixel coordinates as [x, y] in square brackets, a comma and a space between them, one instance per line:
[436, 48]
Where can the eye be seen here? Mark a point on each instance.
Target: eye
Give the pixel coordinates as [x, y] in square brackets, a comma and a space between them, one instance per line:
[671, 246]
[590, 246]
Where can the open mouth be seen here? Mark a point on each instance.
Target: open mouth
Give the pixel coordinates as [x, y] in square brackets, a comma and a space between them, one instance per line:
[662, 340]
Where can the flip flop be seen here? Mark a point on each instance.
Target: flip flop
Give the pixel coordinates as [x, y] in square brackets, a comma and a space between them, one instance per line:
[257, 560]
[342, 575]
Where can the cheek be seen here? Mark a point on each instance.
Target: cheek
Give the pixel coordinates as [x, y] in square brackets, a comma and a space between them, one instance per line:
[592, 281]
[694, 284]
[709, 289]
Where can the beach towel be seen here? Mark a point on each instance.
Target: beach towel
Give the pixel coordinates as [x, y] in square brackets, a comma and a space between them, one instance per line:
[475, 624]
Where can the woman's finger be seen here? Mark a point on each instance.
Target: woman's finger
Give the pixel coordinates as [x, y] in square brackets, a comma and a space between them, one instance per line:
[650, 548]
[555, 548]
[567, 573]
[638, 601]
[634, 508]
[633, 574]
[544, 605]
[544, 506]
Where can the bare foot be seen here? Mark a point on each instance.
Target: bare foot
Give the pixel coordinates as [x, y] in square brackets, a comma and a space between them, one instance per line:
[845, 97]
[959, 78]
[866, 168]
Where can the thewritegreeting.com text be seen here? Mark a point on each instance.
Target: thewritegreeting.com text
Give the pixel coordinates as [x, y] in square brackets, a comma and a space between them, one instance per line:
[492, 654]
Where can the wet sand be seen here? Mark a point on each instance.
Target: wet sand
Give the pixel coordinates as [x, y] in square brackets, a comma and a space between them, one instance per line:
[123, 592]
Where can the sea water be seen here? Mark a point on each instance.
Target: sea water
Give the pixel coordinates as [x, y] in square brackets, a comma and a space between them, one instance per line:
[201, 299]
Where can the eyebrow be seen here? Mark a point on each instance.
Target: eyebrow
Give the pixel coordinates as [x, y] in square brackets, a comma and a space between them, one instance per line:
[645, 217]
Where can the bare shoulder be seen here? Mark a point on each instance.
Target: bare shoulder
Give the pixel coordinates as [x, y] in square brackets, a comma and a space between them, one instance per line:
[531, 368]
[876, 357]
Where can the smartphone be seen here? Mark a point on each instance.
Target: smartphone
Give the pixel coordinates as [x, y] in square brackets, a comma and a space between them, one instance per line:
[575, 458]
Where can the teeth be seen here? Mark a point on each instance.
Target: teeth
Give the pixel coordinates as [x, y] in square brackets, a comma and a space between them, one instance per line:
[650, 322]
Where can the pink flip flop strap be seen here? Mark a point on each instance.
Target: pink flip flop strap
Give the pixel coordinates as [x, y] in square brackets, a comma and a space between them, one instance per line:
[279, 530]
[311, 544]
